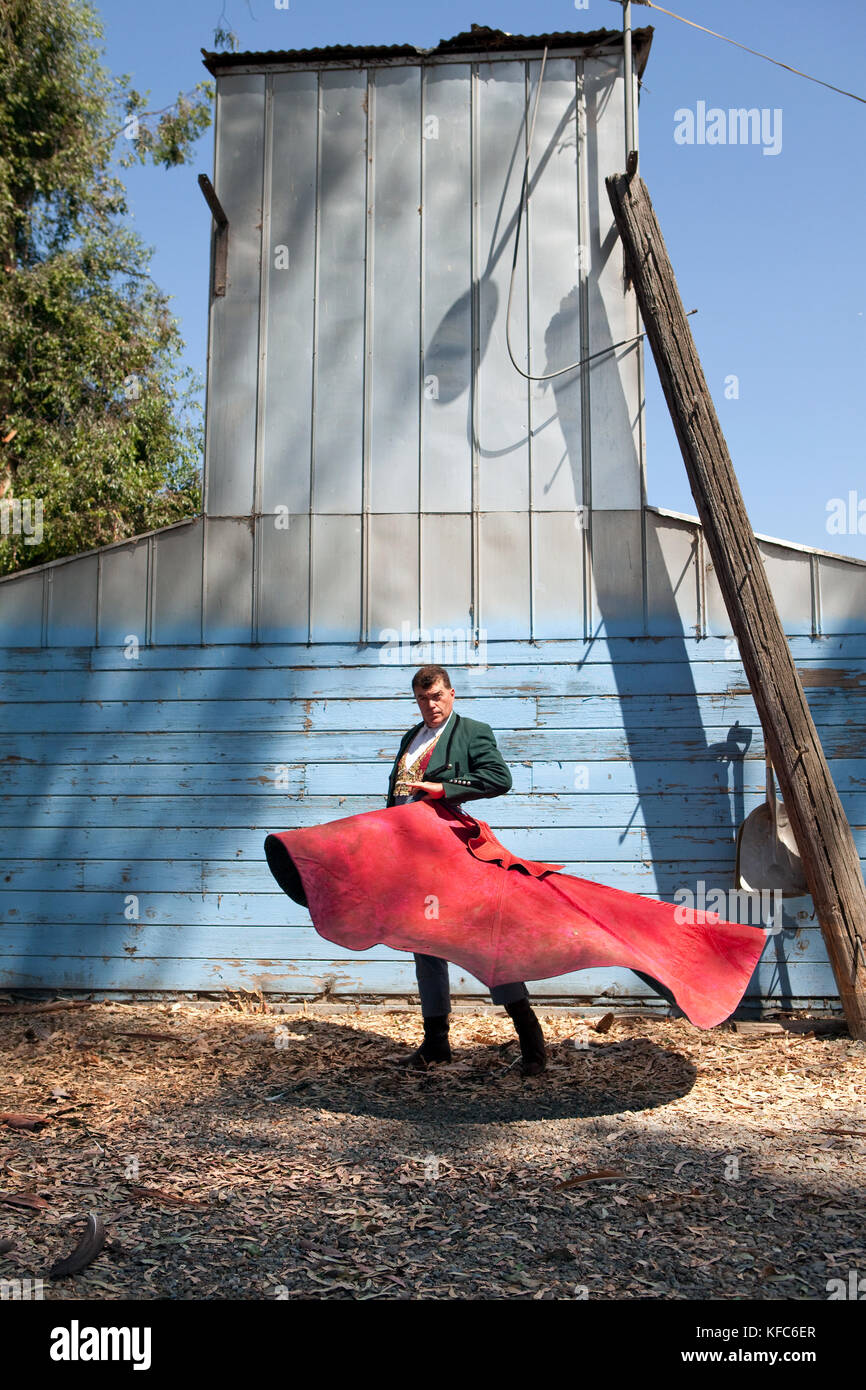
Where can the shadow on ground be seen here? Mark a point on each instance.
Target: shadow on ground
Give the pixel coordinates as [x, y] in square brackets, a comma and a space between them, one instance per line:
[482, 1085]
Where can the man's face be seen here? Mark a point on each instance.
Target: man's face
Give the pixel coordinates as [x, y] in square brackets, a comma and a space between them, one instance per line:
[435, 704]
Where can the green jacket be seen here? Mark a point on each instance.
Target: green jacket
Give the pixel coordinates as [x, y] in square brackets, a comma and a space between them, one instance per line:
[465, 760]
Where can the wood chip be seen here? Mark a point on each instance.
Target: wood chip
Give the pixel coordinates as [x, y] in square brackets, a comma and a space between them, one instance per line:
[23, 1119]
[589, 1177]
[28, 1200]
[157, 1194]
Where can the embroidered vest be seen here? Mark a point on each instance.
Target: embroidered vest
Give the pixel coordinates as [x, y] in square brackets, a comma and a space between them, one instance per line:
[413, 771]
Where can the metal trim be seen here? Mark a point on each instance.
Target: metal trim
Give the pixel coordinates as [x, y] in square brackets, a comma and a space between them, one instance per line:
[583, 229]
[817, 616]
[314, 360]
[527, 256]
[265, 271]
[475, 335]
[367, 356]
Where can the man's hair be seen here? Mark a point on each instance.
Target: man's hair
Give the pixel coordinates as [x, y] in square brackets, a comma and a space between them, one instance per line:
[426, 676]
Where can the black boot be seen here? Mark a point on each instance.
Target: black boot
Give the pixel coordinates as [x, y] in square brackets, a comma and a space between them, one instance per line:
[435, 1047]
[532, 1050]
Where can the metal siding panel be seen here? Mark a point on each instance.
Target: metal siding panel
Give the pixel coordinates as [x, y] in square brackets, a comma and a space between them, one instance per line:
[123, 603]
[232, 389]
[21, 610]
[716, 620]
[446, 455]
[396, 262]
[843, 595]
[553, 239]
[284, 559]
[336, 593]
[503, 412]
[177, 559]
[228, 580]
[504, 564]
[614, 393]
[617, 571]
[72, 590]
[672, 576]
[338, 439]
[394, 597]
[446, 568]
[288, 382]
[789, 574]
[557, 561]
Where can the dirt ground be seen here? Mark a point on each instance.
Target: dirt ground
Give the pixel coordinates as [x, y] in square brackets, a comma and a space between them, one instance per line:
[252, 1151]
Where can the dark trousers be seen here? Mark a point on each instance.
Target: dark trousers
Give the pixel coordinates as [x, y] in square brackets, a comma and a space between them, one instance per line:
[435, 993]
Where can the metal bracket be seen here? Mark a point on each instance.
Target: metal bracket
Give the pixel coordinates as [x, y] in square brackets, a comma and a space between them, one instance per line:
[221, 239]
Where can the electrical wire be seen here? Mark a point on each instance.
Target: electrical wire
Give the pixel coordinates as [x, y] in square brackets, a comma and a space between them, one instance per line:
[547, 376]
[650, 4]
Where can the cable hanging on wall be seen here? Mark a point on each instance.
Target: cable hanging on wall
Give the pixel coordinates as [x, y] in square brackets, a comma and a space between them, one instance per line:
[582, 361]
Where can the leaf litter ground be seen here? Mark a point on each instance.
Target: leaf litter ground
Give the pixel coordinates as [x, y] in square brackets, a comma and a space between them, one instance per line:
[255, 1151]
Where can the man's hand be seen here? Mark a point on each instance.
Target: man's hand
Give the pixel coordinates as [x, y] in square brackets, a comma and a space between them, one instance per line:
[431, 789]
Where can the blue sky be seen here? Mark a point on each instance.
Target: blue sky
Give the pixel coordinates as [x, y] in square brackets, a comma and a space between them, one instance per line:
[767, 247]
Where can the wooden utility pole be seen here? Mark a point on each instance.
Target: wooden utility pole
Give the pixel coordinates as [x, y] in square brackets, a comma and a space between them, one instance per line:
[830, 860]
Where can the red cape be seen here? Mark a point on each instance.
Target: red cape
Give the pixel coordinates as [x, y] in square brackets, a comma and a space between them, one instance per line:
[426, 877]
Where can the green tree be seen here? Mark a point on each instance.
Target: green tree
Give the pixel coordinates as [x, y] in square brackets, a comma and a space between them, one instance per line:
[99, 424]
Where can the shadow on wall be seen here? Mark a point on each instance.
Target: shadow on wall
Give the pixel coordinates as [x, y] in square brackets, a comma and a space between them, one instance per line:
[683, 847]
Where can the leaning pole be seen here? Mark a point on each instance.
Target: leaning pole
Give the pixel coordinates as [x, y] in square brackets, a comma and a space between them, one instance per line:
[830, 861]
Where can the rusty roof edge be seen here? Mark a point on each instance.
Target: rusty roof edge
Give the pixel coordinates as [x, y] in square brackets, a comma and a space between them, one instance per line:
[479, 40]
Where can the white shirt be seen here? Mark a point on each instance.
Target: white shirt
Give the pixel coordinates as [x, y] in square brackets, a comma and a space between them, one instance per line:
[423, 739]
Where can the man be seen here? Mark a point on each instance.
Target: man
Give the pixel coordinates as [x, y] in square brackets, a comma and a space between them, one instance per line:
[450, 757]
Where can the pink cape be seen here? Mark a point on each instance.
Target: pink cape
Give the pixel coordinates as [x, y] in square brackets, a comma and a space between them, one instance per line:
[426, 877]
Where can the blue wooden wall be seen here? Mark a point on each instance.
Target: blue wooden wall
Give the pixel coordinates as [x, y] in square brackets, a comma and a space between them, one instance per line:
[138, 793]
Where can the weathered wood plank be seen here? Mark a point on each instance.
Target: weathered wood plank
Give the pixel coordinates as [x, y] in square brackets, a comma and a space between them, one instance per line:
[635, 745]
[578, 810]
[346, 656]
[701, 845]
[152, 716]
[385, 698]
[178, 926]
[806, 984]
[165, 842]
[830, 862]
[25, 876]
